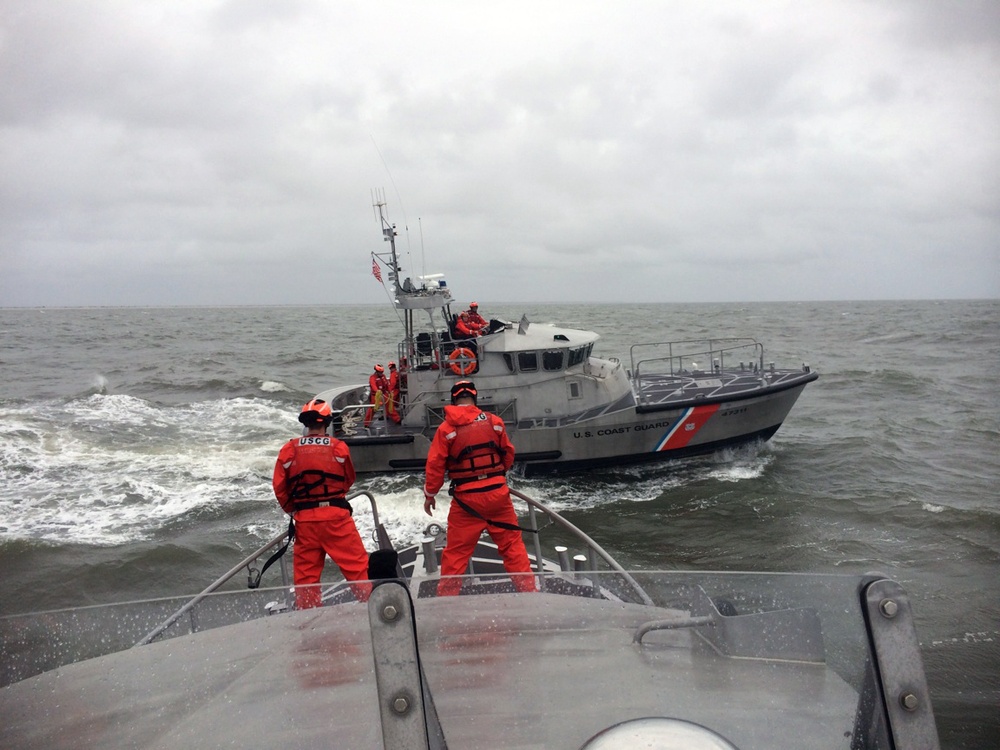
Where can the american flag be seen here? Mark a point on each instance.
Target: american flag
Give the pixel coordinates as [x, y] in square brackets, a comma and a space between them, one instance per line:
[376, 272]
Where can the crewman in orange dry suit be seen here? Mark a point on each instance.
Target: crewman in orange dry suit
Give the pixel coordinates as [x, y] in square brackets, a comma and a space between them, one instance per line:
[470, 323]
[473, 447]
[312, 477]
[392, 405]
[378, 392]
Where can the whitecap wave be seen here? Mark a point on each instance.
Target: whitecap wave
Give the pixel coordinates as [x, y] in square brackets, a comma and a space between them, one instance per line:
[113, 469]
[402, 514]
[272, 386]
[739, 472]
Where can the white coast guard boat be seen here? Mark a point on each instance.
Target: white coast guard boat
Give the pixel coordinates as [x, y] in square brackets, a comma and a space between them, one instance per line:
[599, 658]
[564, 408]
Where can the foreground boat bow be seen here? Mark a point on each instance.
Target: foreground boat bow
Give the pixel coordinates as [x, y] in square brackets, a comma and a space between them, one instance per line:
[597, 658]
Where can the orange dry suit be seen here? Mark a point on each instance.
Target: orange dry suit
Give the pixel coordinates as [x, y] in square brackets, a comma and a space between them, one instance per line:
[478, 321]
[470, 324]
[392, 388]
[378, 388]
[312, 477]
[473, 447]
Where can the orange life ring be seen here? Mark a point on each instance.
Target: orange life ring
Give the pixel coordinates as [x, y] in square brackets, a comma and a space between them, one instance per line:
[462, 361]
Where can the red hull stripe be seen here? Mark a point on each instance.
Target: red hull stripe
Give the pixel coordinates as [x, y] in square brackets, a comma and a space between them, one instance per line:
[685, 428]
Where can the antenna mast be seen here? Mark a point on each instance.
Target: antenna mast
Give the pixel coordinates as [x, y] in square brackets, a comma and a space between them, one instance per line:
[390, 259]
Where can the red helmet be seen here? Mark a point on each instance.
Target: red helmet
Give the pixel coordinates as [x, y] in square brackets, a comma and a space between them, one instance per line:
[392, 365]
[379, 368]
[315, 411]
[463, 388]
[473, 305]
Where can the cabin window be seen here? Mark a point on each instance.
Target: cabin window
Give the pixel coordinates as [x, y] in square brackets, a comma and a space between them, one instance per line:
[527, 361]
[508, 359]
[576, 356]
[553, 360]
[574, 389]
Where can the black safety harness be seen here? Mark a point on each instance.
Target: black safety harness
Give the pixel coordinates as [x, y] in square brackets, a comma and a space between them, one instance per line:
[474, 463]
[305, 497]
[254, 581]
[304, 492]
[476, 514]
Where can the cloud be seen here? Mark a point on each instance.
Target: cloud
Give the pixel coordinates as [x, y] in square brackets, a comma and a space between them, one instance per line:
[224, 153]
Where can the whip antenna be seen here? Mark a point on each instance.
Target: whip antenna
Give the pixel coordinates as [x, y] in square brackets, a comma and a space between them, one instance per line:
[423, 260]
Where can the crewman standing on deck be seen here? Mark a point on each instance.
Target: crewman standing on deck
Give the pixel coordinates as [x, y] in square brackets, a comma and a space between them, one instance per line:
[312, 477]
[392, 404]
[473, 448]
[378, 389]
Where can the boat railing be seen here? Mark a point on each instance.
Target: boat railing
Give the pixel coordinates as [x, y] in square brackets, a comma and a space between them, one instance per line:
[422, 350]
[248, 564]
[349, 419]
[695, 357]
[580, 562]
[429, 350]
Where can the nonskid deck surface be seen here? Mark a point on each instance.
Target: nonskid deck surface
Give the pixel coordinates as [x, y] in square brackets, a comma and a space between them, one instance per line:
[665, 389]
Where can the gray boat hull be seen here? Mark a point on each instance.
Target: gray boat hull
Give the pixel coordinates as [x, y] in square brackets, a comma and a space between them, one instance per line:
[628, 435]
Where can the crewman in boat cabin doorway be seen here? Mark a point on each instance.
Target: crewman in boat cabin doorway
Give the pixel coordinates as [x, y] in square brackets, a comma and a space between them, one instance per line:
[312, 477]
[473, 448]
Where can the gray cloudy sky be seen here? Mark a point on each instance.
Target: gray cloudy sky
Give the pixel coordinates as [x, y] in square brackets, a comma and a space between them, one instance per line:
[200, 152]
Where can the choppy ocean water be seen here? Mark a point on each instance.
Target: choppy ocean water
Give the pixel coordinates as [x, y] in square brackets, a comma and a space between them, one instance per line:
[136, 448]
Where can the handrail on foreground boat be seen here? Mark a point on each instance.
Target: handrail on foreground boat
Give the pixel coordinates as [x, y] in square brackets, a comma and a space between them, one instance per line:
[245, 564]
[558, 519]
[384, 543]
